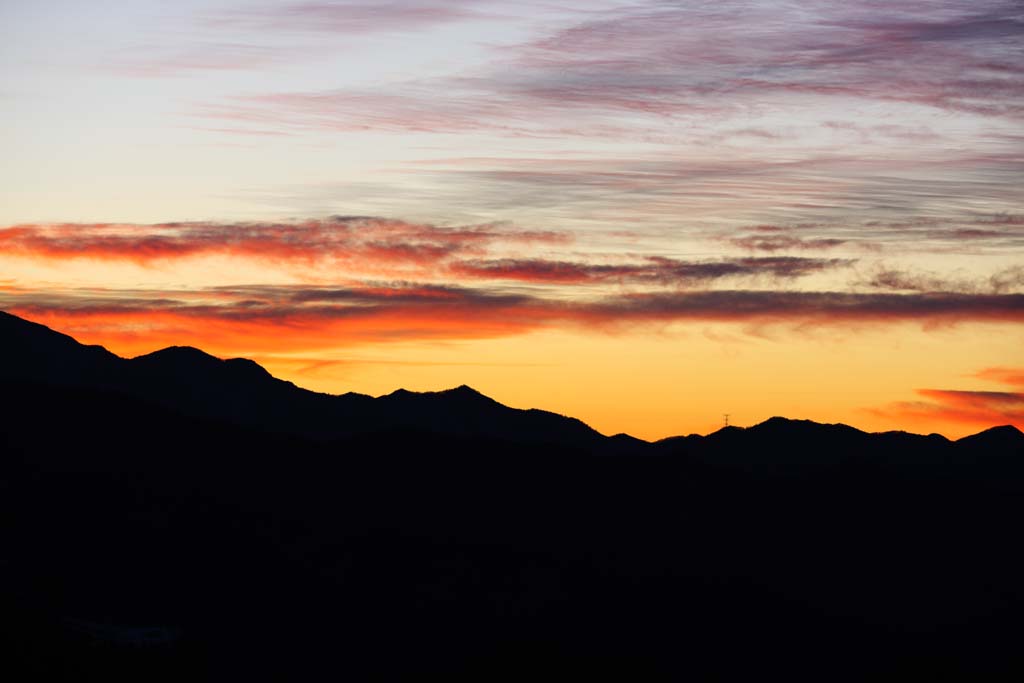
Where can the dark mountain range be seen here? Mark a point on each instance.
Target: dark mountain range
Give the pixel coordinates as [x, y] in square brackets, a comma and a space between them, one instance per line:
[238, 390]
[177, 516]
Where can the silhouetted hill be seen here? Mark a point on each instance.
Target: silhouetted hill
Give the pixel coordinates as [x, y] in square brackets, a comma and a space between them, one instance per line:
[33, 351]
[1004, 438]
[180, 517]
[195, 383]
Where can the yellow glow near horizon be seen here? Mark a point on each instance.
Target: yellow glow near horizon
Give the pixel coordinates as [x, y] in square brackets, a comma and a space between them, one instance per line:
[655, 383]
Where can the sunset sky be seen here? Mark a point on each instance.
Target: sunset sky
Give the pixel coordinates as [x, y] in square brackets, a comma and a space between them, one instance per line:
[645, 213]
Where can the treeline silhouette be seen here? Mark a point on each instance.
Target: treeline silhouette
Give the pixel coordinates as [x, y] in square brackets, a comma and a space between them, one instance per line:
[249, 529]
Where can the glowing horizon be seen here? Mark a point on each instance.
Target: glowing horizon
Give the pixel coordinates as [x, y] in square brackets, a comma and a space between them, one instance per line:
[641, 214]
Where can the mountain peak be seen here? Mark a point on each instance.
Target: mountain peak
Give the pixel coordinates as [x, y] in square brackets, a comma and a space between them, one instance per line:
[779, 420]
[247, 366]
[1005, 430]
[1001, 436]
[187, 362]
[16, 328]
[464, 390]
[177, 352]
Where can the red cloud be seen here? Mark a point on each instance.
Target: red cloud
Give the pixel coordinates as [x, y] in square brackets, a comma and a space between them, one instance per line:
[970, 408]
[1010, 376]
[368, 239]
[239, 319]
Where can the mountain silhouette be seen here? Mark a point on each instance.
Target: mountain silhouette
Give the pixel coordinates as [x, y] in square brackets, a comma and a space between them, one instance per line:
[195, 383]
[176, 516]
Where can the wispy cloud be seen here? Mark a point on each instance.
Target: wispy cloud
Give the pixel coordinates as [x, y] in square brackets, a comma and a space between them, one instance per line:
[178, 60]
[1005, 280]
[654, 270]
[774, 243]
[813, 307]
[832, 196]
[671, 59]
[373, 244]
[1009, 376]
[347, 17]
[974, 408]
[262, 35]
[791, 112]
[669, 56]
[970, 407]
[302, 317]
[364, 238]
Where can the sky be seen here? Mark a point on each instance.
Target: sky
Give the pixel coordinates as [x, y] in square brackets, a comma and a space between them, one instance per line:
[645, 214]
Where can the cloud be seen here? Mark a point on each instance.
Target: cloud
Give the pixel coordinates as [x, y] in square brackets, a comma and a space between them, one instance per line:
[1010, 376]
[682, 59]
[347, 17]
[357, 238]
[1009, 279]
[775, 243]
[995, 230]
[152, 61]
[1003, 281]
[260, 36]
[654, 270]
[371, 244]
[899, 280]
[665, 56]
[973, 408]
[839, 196]
[234, 320]
[413, 108]
[813, 307]
[238, 320]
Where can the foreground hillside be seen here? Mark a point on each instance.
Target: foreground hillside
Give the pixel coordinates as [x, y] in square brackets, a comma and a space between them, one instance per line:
[155, 534]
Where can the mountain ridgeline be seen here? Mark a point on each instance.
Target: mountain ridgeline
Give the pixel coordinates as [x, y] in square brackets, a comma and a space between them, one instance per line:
[194, 383]
[177, 516]
[191, 382]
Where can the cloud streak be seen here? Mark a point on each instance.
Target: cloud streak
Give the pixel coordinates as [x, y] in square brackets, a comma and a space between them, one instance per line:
[654, 270]
[681, 60]
[1003, 281]
[370, 244]
[347, 17]
[773, 243]
[307, 317]
[971, 408]
[259, 36]
[1010, 376]
[809, 111]
[342, 238]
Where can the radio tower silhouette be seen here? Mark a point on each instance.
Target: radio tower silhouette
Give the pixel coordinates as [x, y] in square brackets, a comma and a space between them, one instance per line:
[726, 416]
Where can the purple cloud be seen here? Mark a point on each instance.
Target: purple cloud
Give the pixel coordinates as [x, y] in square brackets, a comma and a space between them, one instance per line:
[689, 59]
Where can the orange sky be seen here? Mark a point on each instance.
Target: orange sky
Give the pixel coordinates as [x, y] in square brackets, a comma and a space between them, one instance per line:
[634, 355]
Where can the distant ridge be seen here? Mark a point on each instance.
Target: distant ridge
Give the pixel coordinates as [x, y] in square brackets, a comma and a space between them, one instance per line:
[193, 382]
[241, 391]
